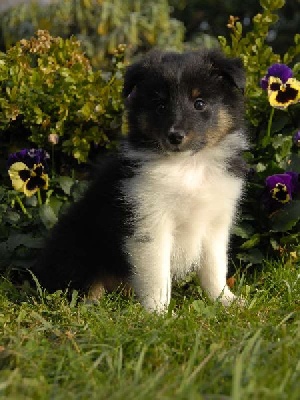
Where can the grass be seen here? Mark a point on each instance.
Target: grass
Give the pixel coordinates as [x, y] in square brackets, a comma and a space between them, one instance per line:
[57, 348]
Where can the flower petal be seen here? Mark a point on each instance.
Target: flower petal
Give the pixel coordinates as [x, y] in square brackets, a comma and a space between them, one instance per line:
[281, 71]
[282, 187]
[28, 180]
[282, 96]
[264, 83]
[19, 174]
[29, 157]
[280, 193]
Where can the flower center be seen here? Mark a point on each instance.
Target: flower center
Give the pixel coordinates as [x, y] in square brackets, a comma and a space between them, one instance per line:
[280, 193]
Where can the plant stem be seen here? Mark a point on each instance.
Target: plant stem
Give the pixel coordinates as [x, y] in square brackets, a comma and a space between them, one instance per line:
[270, 122]
[22, 206]
[52, 162]
[39, 197]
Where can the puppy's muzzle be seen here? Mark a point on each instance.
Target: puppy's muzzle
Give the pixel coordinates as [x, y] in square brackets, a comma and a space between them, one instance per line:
[176, 137]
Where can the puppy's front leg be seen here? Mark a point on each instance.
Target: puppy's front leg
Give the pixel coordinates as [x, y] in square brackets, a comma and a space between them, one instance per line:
[213, 271]
[151, 278]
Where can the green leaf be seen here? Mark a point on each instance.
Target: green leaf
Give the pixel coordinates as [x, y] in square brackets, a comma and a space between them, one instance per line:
[280, 141]
[66, 183]
[279, 123]
[78, 189]
[260, 167]
[11, 217]
[243, 230]
[23, 239]
[253, 256]
[55, 204]
[47, 216]
[254, 241]
[31, 201]
[294, 162]
[286, 218]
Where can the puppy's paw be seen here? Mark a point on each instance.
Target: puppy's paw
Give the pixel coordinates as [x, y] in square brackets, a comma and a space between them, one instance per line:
[227, 298]
[153, 305]
[239, 301]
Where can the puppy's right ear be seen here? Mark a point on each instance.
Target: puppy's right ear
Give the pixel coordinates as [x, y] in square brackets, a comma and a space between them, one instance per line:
[133, 75]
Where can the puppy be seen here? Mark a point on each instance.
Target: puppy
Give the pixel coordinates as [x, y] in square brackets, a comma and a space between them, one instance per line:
[162, 205]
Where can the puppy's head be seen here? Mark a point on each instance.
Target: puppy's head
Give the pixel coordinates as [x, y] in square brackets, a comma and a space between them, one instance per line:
[180, 102]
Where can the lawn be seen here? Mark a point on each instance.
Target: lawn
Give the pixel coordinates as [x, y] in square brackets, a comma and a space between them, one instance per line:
[60, 347]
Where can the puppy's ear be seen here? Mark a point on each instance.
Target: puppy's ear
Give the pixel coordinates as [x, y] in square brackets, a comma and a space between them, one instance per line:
[133, 75]
[231, 69]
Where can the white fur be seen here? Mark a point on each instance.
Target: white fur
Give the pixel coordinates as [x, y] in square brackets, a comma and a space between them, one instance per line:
[184, 206]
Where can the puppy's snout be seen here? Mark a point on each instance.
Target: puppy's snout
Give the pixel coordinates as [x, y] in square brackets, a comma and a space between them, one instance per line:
[176, 137]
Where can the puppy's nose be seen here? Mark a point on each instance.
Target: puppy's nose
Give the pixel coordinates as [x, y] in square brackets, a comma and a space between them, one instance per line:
[176, 137]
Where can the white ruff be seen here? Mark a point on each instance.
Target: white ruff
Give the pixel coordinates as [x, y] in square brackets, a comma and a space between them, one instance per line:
[184, 205]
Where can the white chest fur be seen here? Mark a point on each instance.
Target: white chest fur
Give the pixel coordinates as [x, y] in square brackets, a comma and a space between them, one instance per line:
[185, 198]
[183, 206]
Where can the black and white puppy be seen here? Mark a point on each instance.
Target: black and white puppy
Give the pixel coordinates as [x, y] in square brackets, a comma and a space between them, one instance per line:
[162, 205]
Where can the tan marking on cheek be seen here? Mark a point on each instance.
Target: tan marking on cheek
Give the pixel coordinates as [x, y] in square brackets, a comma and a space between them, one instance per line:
[224, 125]
[191, 136]
[195, 93]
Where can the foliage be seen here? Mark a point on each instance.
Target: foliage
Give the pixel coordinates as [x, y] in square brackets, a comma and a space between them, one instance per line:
[52, 96]
[59, 346]
[25, 221]
[257, 55]
[204, 19]
[264, 231]
[49, 88]
[54, 346]
[99, 25]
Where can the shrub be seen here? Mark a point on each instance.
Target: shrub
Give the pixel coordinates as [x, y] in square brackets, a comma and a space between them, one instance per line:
[25, 220]
[49, 88]
[269, 226]
[99, 25]
[51, 92]
[51, 98]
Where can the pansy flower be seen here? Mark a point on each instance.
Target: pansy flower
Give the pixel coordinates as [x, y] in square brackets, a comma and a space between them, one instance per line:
[282, 187]
[281, 71]
[28, 170]
[283, 89]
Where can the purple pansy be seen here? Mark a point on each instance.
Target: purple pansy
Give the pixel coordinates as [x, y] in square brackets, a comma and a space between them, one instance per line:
[282, 187]
[264, 82]
[283, 90]
[281, 71]
[29, 157]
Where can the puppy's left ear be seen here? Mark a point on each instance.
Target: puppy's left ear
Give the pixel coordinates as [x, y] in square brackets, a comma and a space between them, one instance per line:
[231, 69]
[133, 75]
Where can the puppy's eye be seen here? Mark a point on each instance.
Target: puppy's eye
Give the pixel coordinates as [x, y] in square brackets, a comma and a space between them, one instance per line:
[199, 104]
[160, 108]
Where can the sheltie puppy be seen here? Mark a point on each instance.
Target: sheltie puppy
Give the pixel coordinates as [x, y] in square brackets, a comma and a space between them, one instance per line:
[164, 203]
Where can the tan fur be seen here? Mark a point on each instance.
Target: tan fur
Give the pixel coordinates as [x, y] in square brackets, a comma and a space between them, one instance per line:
[109, 284]
[225, 125]
[195, 93]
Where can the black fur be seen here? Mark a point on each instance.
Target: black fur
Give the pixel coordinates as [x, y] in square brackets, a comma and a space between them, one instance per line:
[86, 243]
[159, 88]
